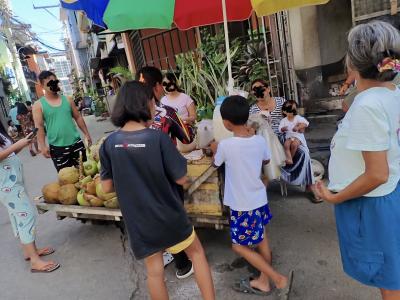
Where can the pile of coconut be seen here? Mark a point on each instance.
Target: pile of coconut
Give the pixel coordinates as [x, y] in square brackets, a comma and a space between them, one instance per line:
[81, 186]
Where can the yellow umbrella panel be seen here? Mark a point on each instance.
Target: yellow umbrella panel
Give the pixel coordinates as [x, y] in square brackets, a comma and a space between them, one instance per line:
[269, 7]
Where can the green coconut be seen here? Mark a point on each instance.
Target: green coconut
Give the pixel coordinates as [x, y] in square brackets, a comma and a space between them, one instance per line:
[86, 180]
[94, 150]
[90, 167]
[81, 199]
[102, 195]
[112, 203]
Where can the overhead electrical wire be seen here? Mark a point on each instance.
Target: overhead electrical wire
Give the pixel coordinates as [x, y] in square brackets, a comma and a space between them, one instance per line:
[48, 46]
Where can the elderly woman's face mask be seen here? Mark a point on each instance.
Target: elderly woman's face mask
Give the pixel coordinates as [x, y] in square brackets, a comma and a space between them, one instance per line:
[259, 91]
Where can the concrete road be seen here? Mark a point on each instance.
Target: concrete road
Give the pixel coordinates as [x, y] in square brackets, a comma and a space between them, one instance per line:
[96, 263]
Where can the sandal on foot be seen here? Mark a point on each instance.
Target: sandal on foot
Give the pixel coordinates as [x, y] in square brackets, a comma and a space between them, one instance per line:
[45, 252]
[50, 268]
[314, 199]
[243, 286]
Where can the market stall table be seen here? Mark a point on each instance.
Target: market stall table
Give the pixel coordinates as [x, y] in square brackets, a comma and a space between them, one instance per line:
[202, 200]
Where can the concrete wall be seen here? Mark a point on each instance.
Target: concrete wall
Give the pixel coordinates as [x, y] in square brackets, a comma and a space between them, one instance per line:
[334, 22]
[305, 38]
[319, 45]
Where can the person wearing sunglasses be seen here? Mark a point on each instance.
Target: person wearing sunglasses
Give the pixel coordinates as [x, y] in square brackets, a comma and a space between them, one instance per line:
[175, 98]
[269, 106]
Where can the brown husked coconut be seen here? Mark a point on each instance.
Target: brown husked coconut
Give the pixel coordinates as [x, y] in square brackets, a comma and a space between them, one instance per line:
[50, 193]
[93, 200]
[67, 194]
[91, 188]
[69, 175]
[97, 179]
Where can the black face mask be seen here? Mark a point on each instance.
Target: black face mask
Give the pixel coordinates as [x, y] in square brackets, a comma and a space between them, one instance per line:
[290, 110]
[258, 91]
[53, 85]
[169, 86]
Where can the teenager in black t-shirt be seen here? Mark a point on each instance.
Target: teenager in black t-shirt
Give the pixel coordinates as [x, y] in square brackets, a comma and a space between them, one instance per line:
[145, 168]
[167, 121]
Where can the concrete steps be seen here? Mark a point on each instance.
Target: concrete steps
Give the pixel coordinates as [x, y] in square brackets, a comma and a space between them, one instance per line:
[326, 104]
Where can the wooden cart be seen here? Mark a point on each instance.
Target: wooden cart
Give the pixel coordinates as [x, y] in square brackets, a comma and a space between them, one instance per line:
[202, 201]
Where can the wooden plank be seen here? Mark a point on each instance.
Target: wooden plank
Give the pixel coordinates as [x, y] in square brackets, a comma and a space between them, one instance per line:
[373, 15]
[201, 179]
[79, 209]
[205, 209]
[62, 215]
[197, 170]
[209, 186]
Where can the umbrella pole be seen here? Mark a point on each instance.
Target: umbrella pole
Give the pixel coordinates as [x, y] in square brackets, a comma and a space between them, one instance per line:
[267, 55]
[228, 50]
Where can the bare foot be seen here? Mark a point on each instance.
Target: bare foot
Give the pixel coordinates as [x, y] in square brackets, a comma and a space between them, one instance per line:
[260, 285]
[282, 282]
[289, 162]
[42, 252]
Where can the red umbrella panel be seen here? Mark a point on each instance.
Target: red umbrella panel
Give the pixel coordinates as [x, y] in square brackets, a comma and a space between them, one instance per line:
[193, 13]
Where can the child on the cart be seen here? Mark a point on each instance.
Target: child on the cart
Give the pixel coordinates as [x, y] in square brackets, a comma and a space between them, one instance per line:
[144, 167]
[244, 155]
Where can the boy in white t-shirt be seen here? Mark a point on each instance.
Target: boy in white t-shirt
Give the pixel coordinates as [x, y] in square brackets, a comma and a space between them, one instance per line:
[293, 127]
[244, 155]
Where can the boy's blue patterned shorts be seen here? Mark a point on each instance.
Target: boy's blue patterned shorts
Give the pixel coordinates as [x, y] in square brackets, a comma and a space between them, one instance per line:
[247, 227]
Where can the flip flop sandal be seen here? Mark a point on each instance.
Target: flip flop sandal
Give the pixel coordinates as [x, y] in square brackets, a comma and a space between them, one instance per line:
[47, 251]
[49, 270]
[284, 293]
[315, 199]
[244, 287]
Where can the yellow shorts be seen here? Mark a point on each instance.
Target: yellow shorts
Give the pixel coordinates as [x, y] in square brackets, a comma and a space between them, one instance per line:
[182, 245]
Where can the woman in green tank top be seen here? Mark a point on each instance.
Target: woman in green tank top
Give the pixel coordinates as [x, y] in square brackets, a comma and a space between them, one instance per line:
[60, 117]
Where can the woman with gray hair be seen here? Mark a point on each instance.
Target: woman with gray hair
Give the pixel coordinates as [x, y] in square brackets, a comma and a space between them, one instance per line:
[364, 169]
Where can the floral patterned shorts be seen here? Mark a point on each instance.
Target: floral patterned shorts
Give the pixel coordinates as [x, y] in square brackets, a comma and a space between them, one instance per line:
[247, 227]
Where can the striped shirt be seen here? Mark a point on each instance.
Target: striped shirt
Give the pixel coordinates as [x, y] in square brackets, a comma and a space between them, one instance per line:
[275, 115]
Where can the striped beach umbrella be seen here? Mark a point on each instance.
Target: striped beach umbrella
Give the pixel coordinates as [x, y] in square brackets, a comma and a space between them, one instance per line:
[121, 15]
